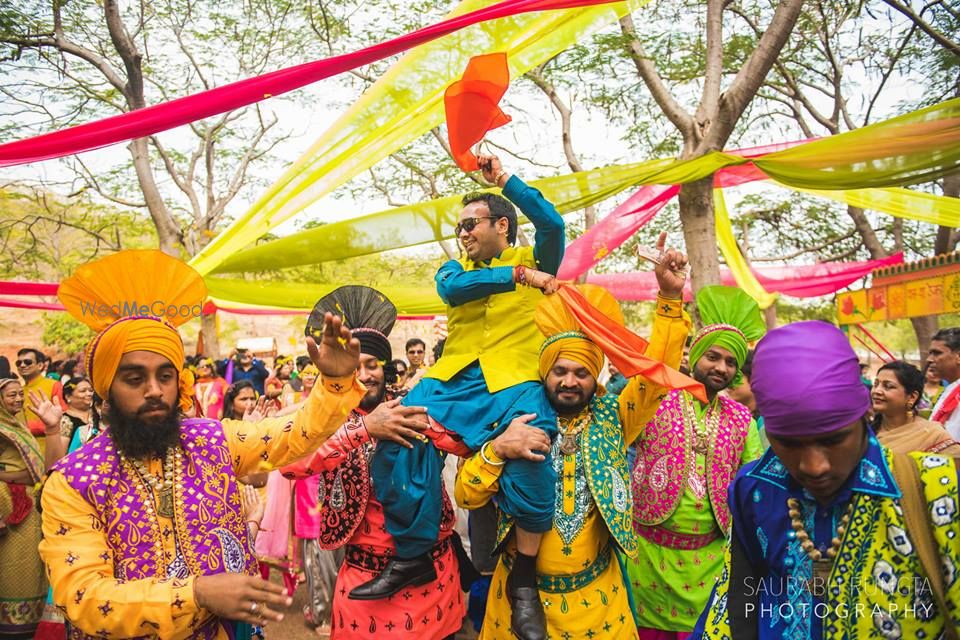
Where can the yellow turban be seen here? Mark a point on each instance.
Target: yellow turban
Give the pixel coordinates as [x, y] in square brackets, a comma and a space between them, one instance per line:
[571, 345]
[562, 331]
[134, 299]
[123, 336]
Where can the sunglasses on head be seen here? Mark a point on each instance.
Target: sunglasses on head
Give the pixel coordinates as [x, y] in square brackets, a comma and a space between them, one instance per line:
[469, 224]
[24, 363]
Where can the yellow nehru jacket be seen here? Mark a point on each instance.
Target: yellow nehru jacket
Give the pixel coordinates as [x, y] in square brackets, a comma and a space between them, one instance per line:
[496, 330]
[124, 336]
[562, 331]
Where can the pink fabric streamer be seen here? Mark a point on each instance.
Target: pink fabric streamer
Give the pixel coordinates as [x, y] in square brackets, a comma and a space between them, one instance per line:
[807, 281]
[21, 288]
[167, 115]
[643, 206]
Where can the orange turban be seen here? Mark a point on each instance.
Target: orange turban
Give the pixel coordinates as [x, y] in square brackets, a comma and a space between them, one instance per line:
[123, 336]
[134, 299]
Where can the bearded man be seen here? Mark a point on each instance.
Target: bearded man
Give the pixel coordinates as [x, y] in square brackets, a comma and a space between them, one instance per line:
[686, 458]
[351, 518]
[143, 530]
[580, 579]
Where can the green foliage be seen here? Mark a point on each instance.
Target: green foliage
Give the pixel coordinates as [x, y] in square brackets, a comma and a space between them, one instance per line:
[45, 237]
[62, 331]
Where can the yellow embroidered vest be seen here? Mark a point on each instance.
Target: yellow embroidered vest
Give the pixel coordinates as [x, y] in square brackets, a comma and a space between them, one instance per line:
[497, 330]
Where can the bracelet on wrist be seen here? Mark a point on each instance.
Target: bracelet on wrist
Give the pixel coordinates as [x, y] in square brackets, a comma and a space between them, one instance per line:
[496, 178]
[483, 455]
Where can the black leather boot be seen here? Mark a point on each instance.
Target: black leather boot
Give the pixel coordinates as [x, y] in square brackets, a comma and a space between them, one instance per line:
[527, 618]
[398, 573]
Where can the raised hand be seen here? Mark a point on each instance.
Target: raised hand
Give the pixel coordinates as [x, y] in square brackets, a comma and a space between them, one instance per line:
[393, 421]
[253, 506]
[338, 354]
[491, 168]
[671, 272]
[48, 412]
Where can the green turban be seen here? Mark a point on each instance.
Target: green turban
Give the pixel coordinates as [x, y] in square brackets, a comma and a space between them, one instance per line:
[731, 320]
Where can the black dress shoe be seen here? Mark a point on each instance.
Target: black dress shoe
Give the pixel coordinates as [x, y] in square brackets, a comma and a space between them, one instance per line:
[395, 576]
[527, 618]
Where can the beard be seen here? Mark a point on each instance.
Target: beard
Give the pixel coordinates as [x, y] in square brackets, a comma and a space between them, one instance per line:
[708, 383]
[373, 397]
[566, 406]
[137, 436]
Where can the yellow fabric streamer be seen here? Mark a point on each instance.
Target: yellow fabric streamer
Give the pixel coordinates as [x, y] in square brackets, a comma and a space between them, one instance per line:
[412, 301]
[405, 103]
[832, 165]
[900, 203]
[731, 254]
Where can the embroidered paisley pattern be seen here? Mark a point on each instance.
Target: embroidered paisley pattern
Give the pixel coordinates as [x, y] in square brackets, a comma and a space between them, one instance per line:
[570, 525]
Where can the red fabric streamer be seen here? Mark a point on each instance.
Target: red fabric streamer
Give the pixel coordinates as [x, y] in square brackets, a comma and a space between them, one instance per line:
[471, 105]
[167, 115]
[21, 288]
[643, 206]
[624, 348]
[807, 281]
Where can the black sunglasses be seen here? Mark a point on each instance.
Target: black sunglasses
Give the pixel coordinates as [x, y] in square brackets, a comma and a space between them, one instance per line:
[24, 363]
[469, 224]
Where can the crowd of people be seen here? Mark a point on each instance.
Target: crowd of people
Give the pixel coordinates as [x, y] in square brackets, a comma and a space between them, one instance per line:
[547, 473]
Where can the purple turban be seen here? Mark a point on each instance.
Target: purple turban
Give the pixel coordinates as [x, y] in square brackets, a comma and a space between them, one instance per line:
[806, 380]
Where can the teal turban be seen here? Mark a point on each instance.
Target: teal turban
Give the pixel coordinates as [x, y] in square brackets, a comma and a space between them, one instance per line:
[732, 320]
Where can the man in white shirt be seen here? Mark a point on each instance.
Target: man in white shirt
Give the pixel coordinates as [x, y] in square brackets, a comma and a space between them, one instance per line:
[944, 360]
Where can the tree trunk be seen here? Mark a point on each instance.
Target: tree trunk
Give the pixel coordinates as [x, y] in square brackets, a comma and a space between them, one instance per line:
[946, 238]
[924, 327]
[700, 238]
[211, 341]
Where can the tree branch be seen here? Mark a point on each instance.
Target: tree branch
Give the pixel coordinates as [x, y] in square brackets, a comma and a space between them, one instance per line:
[648, 73]
[938, 37]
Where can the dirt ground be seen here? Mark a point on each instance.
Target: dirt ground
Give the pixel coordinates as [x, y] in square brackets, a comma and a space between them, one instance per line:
[292, 627]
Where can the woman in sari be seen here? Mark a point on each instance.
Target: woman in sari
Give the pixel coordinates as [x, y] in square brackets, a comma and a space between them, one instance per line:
[23, 582]
[896, 392]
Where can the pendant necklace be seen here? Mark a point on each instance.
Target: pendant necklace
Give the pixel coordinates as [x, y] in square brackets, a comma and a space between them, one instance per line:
[570, 429]
[161, 489]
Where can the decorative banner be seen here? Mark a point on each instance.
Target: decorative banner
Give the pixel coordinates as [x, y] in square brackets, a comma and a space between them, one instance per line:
[167, 115]
[403, 104]
[471, 106]
[927, 287]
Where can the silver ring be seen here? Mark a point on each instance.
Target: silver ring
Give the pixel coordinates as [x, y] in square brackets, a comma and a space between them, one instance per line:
[254, 607]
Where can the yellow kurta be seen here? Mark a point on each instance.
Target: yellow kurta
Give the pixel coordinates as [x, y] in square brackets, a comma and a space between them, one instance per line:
[600, 609]
[78, 556]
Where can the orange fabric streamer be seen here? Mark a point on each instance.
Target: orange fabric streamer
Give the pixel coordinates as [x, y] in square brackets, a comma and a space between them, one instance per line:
[471, 105]
[624, 348]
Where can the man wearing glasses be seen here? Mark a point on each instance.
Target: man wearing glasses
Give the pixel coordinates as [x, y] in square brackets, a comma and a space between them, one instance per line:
[30, 367]
[487, 376]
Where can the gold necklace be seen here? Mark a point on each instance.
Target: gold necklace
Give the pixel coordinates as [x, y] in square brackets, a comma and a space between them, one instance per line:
[162, 489]
[703, 437]
[570, 429]
[821, 566]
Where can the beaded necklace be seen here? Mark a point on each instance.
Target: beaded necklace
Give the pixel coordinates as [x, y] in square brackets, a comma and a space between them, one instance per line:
[162, 489]
[706, 434]
[821, 566]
